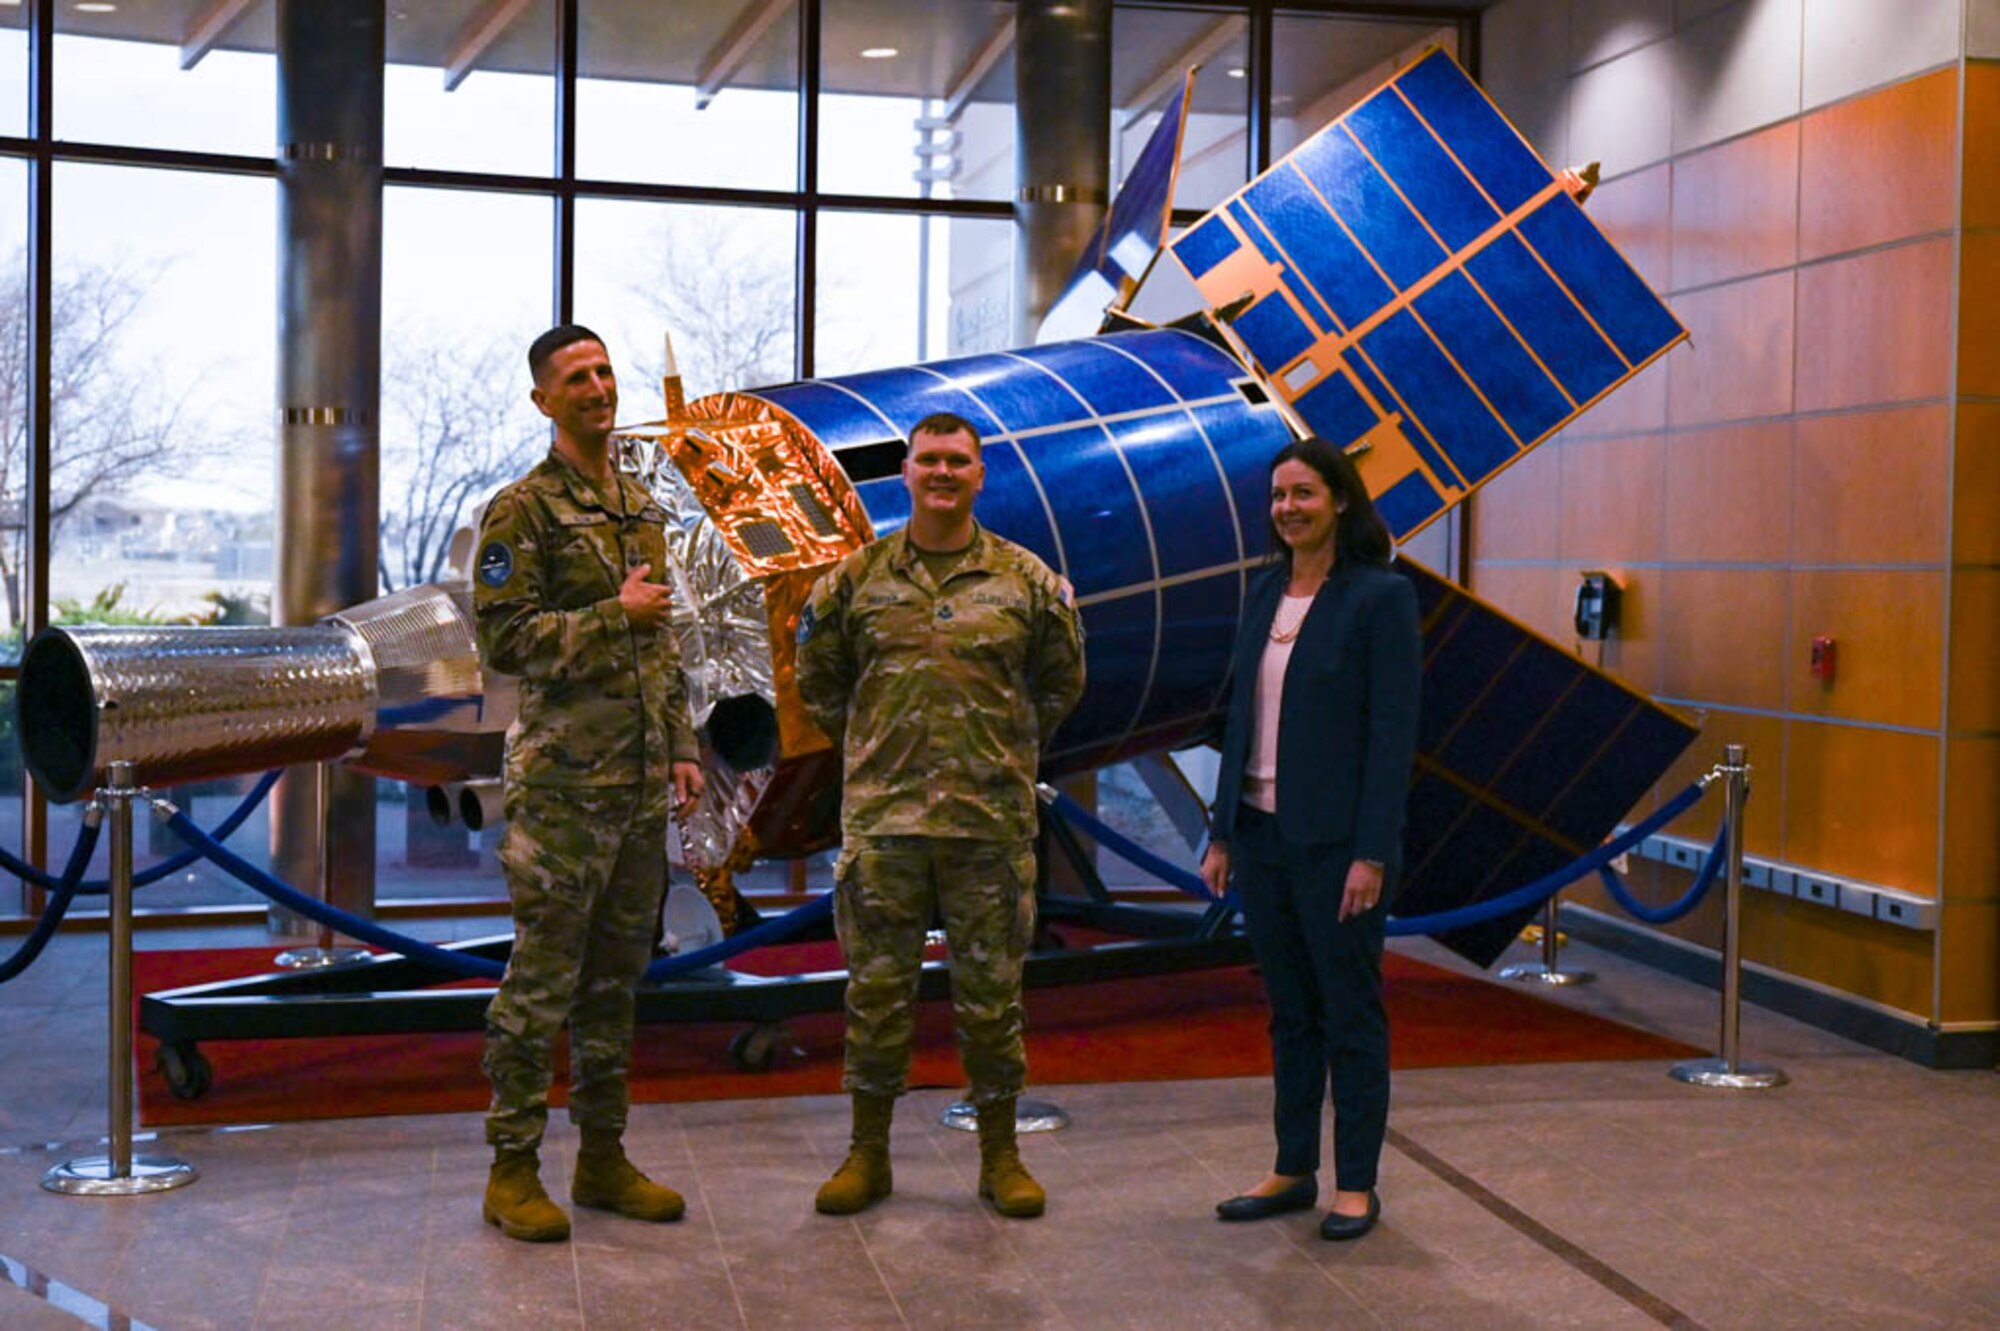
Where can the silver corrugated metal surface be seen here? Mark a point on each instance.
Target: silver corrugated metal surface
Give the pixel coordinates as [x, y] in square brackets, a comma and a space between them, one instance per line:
[184, 703]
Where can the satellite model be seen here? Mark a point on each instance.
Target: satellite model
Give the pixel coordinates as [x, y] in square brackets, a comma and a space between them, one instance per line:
[1411, 283]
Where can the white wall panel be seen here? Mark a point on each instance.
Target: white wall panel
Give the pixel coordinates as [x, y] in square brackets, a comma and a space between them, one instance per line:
[1737, 70]
[1621, 112]
[1852, 45]
[1522, 46]
[1982, 29]
[1599, 31]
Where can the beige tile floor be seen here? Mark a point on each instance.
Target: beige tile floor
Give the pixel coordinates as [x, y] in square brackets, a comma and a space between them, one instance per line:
[1865, 1194]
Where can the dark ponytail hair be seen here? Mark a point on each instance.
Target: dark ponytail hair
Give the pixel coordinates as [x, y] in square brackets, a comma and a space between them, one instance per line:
[1359, 534]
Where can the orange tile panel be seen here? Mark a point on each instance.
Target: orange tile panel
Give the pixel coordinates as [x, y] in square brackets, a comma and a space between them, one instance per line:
[1876, 328]
[1531, 593]
[1888, 632]
[1981, 201]
[1975, 485]
[1862, 803]
[1722, 636]
[1979, 316]
[1870, 487]
[1739, 363]
[1735, 207]
[1612, 499]
[1879, 167]
[1971, 832]
[1975, 653]
[1729, 493]
[1633, 210]
[1763, 740]
[1969, 963]
[1854, 954]
[1516, 514]
[1638, 404]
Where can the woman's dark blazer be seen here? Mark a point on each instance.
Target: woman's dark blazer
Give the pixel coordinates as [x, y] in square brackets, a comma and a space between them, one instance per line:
[1347, 727]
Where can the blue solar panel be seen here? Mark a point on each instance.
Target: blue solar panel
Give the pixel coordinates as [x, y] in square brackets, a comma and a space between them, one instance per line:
[1336, 411]
[1317, 248]
[1459, 115]
[1435, 185]
[1205, 245]
[1275, 333]
[1102, 377]
[1420, 230]
[1177, 476]
[1503, 370]
[1340, 174]
[1102, 530]
[1434, 392]
[1611, 292]
[1011, 505]
[1546, 319]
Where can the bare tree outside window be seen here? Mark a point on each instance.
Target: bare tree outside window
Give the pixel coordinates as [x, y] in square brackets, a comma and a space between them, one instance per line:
[456, 426]
[729, 302]
[112, 426]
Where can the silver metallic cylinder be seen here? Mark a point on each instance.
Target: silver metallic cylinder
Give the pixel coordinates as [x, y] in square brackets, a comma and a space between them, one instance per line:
[1062, 153]
[119, 793]
[330, 82]
[1736, 774]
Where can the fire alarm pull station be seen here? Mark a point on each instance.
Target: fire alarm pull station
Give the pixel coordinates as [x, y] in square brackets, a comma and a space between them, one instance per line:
[1822, 658]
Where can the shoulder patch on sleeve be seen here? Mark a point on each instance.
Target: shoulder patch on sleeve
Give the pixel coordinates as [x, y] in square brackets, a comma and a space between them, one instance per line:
[808, 621]
[496, 563]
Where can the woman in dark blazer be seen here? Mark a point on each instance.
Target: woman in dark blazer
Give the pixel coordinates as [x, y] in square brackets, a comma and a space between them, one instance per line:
[1309, 802]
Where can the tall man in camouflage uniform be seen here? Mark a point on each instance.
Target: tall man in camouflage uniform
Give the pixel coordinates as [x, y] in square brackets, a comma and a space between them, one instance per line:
[570, 595]
[941, 659]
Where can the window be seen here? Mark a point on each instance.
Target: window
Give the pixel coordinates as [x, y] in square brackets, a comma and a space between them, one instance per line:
[698, 93]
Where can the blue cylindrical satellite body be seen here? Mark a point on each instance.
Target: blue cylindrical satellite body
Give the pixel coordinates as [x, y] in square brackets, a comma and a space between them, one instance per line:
[1134, 464]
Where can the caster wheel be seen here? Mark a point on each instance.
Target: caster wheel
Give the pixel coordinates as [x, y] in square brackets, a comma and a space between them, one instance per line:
[186, 1070]
[754, 1050]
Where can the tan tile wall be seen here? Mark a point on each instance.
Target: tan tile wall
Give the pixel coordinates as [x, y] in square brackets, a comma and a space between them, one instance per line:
[1819, 201]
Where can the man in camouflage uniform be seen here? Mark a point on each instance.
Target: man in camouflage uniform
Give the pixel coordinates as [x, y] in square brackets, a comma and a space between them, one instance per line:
[941, 659]
[570, 595]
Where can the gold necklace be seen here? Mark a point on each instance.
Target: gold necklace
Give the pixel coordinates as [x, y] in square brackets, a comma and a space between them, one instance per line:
[1291, 630]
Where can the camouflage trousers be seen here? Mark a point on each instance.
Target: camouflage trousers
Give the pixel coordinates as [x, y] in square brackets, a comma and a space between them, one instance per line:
[886, 892]
[585, 870]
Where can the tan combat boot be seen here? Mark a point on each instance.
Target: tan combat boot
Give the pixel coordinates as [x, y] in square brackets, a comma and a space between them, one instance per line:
[515, 1200]
[1003, 1179]
[863, 1178]
[606, 1181]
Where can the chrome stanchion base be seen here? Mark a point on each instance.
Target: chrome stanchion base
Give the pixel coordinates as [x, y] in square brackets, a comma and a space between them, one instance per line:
[1717, 1072]
[92, 1176]
[1542, 973]
[315, 958]
[1029, 1116]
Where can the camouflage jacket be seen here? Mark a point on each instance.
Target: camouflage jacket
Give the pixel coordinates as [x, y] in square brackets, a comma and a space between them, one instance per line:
[603, 702]
[941, 697]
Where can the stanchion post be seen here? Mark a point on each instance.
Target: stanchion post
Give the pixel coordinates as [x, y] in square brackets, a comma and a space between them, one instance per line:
[120, 1173]
[324, 951]
[1549, 971]
[1728, 1071]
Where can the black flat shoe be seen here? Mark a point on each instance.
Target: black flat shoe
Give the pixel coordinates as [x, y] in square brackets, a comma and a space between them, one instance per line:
[1338, 1228]
[1298, 1197]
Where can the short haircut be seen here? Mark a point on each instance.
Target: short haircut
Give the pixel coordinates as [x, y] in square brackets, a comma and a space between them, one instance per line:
[946, 422]
[549, 343]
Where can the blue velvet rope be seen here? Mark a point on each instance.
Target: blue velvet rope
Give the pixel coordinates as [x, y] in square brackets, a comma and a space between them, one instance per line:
[165, 868]
[459, 963]
[1442, 921]
[58, 905]
[1674, 910]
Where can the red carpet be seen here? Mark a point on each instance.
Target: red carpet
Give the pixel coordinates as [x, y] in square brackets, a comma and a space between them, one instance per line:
[1191, 1025]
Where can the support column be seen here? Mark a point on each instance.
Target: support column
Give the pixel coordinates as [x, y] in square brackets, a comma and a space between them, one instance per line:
[1062, 153]
[330, 56]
